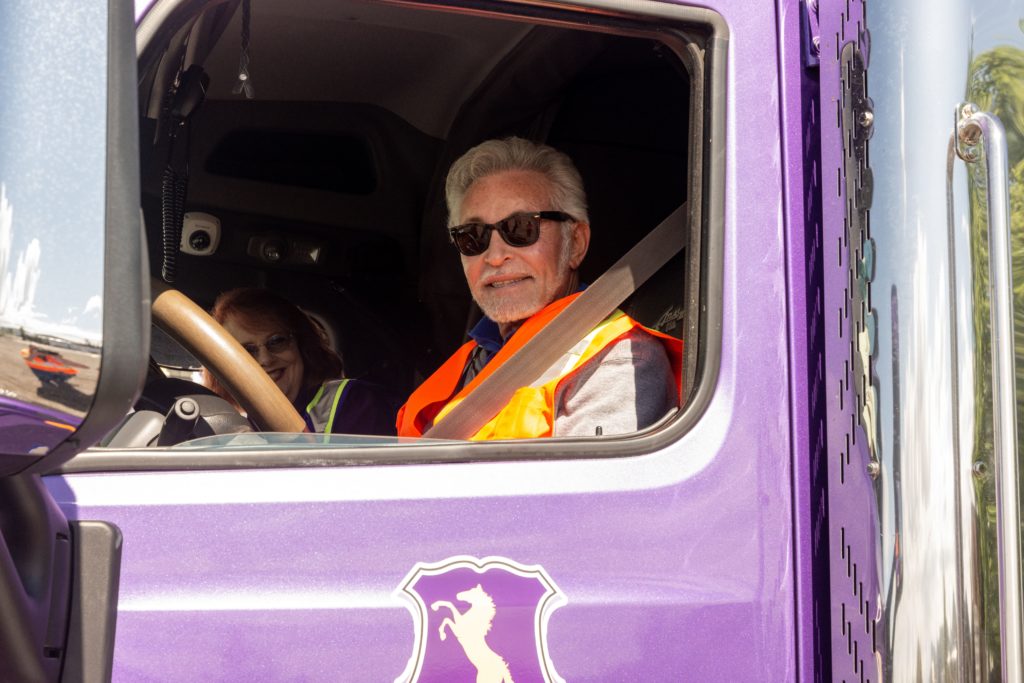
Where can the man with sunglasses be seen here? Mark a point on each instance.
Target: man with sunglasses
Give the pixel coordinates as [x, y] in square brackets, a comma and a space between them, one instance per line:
[518, 217]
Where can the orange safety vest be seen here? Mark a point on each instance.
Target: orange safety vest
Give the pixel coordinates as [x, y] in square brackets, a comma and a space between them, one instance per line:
[531, 410]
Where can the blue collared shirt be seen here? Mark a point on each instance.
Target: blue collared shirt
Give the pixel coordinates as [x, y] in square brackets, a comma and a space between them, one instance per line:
[486, 335]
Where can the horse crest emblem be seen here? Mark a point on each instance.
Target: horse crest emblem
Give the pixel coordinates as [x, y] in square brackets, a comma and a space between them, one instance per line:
[480, 621]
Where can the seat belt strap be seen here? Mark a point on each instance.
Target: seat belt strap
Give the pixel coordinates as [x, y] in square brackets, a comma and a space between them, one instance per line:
[592, 306]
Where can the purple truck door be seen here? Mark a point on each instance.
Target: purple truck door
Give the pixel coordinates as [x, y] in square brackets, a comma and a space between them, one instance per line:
[675, 563]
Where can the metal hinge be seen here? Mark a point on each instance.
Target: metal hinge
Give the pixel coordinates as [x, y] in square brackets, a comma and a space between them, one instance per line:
[810, 37]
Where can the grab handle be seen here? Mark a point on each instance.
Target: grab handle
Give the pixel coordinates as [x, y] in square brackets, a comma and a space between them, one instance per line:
[980, 137]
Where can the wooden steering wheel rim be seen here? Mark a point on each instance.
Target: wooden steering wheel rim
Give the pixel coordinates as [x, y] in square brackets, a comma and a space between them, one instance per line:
[221, 354]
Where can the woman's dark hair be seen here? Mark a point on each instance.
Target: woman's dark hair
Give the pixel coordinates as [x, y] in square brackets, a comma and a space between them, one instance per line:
[253, 306]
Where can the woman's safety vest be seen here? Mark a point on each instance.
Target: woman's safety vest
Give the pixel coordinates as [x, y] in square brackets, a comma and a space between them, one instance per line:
[324, 406]
[531, 410]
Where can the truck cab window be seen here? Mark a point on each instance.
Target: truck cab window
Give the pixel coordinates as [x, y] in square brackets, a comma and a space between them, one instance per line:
[325, 182]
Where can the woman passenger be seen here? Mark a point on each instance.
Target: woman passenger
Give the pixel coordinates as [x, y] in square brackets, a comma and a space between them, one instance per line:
[295, 353]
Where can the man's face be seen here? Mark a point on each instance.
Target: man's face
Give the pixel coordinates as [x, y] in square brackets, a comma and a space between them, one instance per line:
[512, 283]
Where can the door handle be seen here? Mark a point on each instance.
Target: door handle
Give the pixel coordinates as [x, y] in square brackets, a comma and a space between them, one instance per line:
[979, 138]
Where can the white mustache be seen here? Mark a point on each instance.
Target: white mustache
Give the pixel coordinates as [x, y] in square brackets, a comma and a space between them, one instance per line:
[498, 273]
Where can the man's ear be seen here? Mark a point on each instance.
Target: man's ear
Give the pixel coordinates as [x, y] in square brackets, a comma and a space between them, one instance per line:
[579, 245]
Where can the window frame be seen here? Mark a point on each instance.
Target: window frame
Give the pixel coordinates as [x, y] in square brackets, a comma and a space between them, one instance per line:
[699, 38]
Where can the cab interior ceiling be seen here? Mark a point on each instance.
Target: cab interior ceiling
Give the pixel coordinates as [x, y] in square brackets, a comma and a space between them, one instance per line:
[359, 109]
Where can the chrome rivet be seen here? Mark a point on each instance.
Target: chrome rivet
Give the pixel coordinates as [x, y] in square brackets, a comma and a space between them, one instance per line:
[874, 469]
[979, 469]
[866, 119]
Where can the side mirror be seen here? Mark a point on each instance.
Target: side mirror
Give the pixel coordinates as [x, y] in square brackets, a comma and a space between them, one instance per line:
[74, 287]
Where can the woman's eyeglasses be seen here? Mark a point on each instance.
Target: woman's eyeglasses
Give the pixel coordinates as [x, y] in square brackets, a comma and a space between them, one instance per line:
[275, 345]
[518, 230]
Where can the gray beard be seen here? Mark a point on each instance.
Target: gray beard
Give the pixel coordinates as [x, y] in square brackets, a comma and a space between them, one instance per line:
[512, 312]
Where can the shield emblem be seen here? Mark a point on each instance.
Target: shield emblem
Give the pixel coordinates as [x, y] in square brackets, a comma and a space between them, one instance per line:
[480, 621]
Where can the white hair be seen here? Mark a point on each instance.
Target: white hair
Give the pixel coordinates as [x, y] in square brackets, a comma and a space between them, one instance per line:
[517, 154]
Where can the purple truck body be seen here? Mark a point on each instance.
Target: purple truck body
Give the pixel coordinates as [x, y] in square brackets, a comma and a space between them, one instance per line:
[760, 545]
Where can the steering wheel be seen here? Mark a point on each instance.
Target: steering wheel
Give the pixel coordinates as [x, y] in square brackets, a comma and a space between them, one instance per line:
[221, 354]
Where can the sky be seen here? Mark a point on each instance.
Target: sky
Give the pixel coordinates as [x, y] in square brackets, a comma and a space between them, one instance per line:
[52, 166]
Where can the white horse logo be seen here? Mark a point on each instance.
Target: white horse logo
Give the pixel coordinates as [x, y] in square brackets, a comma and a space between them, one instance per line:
[471, 628]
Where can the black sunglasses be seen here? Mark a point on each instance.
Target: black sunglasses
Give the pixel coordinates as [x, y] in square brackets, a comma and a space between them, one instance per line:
[518, 230]
[277, 344]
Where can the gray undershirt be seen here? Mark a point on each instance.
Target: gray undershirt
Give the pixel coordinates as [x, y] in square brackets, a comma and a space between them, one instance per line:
[625, 388]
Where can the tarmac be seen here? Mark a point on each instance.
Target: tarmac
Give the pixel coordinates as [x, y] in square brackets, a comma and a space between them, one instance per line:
[17, 380]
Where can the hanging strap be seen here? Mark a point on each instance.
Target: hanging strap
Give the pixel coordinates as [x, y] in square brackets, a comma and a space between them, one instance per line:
[570, 326]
